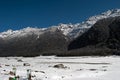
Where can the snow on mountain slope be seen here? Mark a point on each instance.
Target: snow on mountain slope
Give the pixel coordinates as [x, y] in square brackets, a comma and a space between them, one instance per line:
[75, 30]
[22, 32]
[70, 30]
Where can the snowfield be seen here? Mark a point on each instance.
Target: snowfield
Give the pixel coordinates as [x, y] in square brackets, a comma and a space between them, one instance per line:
[62, 68]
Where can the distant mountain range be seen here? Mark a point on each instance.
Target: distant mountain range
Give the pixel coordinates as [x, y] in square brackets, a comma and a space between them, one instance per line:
[69, 30]
[58, 40]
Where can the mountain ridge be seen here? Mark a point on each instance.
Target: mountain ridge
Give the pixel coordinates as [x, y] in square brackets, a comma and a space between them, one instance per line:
[57, 40]
[101, 39]
[70, 30]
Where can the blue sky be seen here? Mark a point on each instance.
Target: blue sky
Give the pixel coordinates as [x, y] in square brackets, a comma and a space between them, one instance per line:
[17, 14]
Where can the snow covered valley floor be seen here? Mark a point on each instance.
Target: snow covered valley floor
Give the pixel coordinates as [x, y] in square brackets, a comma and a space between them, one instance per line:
[62, 68]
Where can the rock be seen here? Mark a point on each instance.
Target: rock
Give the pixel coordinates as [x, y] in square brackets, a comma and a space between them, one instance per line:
[104, 69]
[19, 60]
[63, 76]
[104, 66]
[40, 71]
[33, 76]
[79, 69]
[11, 73]
[7, 65]
[59, 66]
[92, 69]
[26, 64]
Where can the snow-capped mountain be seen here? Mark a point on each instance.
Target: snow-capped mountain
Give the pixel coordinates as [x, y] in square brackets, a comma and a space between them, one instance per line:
[53, 40]
[69, 30]
[75, 30]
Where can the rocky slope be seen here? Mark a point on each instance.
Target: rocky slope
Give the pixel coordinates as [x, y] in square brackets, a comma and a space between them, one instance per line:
[101, 39]
[51, 41]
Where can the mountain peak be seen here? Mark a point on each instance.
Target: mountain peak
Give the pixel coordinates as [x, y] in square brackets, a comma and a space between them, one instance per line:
[85, 25]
